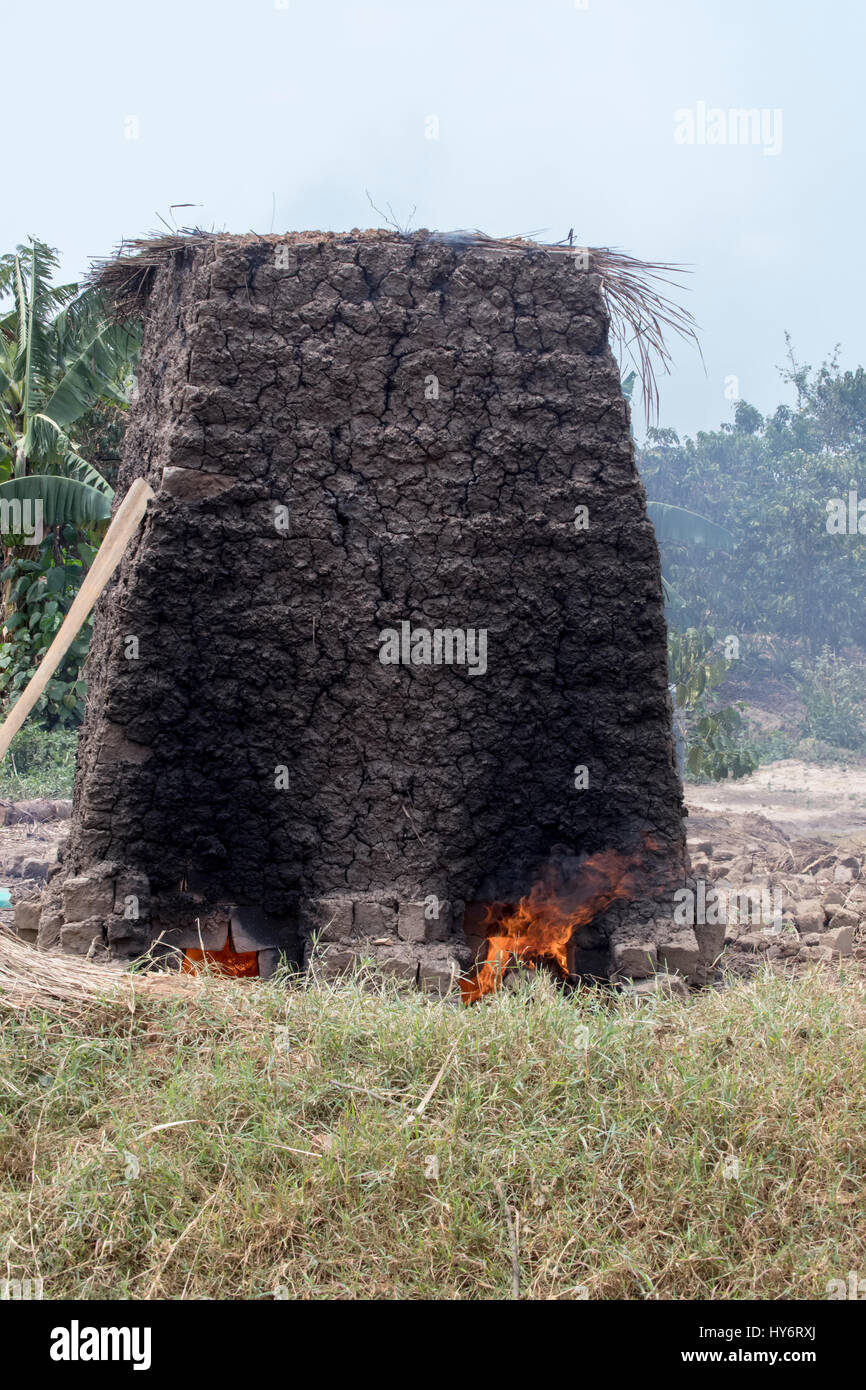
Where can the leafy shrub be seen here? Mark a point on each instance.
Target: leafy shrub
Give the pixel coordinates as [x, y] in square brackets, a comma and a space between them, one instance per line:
[717, 747]
[834, 693]
[40, 591]
[815, 750]
[775, 746]
[715, 742]
[39, 763]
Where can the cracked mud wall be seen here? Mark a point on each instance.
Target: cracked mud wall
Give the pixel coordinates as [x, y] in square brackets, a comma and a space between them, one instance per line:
[430, 418]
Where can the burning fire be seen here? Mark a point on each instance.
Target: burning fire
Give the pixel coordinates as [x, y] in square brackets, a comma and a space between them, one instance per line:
[542, 924]
[225, 961]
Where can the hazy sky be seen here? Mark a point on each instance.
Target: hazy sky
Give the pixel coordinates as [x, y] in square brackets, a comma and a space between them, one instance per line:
[550, 115]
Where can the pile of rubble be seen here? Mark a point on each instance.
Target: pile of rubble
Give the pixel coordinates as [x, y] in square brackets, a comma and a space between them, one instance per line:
[31, 833]
[818, 887]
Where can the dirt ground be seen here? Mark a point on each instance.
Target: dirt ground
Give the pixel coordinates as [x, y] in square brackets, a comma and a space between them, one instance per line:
[31, 833]
[803, 799]
[797, 830]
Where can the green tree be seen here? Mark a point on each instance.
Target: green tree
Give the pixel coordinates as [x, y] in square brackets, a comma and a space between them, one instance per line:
[768, 481]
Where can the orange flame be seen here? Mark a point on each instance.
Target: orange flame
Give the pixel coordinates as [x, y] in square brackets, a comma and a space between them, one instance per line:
[225, 961]
[542, 924]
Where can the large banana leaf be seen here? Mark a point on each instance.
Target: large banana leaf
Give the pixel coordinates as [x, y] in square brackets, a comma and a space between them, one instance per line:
[46, 440]
[88, 378]
[22, 316]
[47, 262]
[63, 499]
[682, 527]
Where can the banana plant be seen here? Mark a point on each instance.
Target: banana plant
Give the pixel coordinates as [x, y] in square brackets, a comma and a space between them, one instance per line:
[59, 357]
[679, 526]
[61, 362]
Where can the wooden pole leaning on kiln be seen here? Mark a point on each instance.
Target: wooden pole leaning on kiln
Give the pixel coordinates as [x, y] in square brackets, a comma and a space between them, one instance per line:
[117, 537]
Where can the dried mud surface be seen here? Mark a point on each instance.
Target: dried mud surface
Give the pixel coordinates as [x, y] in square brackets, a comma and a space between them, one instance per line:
[431, 417]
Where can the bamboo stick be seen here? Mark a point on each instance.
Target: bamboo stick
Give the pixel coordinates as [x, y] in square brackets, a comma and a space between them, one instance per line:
[109, 555]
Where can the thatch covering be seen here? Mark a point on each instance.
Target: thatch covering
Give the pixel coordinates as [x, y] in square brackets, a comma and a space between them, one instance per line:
[642, 315]
[68, 985]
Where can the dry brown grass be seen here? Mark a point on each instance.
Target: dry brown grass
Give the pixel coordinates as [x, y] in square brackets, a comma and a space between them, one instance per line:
[69, 986]
[352, 1142]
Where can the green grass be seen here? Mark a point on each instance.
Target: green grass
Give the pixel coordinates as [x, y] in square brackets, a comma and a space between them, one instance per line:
[298, 1164]
[39, 764]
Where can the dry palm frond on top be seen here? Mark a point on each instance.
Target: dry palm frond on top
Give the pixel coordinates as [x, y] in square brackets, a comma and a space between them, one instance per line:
[643, 316]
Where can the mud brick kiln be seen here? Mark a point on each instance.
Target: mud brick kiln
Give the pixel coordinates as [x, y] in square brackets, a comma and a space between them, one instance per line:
[369, 452]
